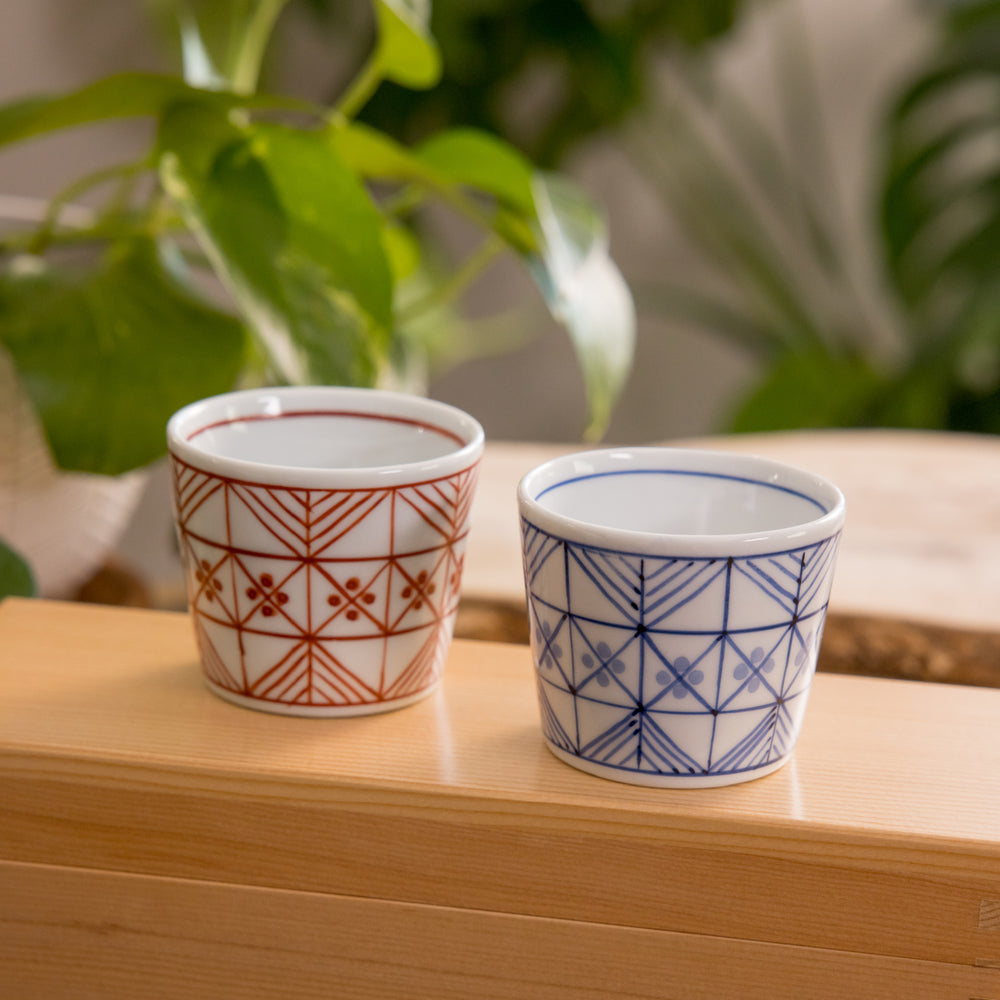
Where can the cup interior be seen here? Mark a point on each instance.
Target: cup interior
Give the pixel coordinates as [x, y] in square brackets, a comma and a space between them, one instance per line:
[675, 493]
[325, 439]
[303, 434]
[668, 501]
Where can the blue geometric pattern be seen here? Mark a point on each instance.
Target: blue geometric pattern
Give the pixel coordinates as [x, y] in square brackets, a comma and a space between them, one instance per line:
[674, 666]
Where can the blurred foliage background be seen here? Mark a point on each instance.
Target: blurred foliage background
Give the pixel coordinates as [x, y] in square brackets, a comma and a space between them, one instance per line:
[905, 335]
[876, 311]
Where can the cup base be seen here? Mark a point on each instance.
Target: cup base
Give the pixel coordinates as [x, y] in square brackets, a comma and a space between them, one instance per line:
[318, 711]
[650, 780]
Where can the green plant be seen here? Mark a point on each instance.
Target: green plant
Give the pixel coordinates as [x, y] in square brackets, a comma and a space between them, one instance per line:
[905, 333]
[301, 214]
[588, 63]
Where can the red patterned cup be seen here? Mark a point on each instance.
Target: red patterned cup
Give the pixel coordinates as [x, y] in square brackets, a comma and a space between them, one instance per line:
[322, 532]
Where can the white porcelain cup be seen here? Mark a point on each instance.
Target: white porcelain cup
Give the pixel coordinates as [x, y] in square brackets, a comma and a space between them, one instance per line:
[322, 531]
[676, 600]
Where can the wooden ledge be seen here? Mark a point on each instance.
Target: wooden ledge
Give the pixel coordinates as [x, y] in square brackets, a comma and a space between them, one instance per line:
[148, 827]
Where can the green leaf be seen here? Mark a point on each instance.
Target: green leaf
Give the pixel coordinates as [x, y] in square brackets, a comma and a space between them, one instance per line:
[585, 292]
[810, 389]
[402, 249]
[375, 155]
[125, 95]
[16, 578]
[107, 357]
[546, 219]
[406, 53]
[479, 160]
[465, 158]
[293, 234]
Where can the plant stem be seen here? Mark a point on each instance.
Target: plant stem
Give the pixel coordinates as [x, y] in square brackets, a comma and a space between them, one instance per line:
[404, 202]
[245, 70]
[361, 88]
[451, 289]
[44, 235]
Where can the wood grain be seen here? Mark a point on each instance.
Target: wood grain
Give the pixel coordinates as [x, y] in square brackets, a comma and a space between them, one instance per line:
[880, 838]
[79, 935]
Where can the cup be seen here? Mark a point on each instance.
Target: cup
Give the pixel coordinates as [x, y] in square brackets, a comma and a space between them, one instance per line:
[676, 600]
[322, 533]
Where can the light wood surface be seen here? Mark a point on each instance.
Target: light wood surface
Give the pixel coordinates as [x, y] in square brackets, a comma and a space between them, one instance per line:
[125, 936]
[149, 829]
[922, 539]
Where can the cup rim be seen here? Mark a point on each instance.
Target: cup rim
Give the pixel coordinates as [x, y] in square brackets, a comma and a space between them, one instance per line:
[719, 463]
[317, 400]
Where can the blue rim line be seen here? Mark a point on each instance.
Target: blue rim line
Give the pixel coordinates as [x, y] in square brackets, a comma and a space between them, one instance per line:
[684, 472]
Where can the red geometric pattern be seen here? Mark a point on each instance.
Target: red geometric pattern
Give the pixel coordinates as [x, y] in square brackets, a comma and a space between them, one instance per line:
[322, 598]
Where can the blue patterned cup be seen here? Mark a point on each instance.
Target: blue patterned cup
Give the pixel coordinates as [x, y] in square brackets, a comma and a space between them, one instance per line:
[676, 600]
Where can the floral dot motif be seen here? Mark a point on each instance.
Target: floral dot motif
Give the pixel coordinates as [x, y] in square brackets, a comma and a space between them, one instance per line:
[605, 666]
[289, 552]
[552, 651]
[420, 588]
[764, 667]
[685, 676]
[265, 589]
[667, 713]
[203, 574]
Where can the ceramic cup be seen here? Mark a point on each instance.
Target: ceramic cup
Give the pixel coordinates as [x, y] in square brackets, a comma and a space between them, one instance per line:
[676, 601]
[322, 532]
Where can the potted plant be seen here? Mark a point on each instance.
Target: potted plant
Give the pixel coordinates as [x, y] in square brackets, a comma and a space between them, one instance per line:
[304, 218]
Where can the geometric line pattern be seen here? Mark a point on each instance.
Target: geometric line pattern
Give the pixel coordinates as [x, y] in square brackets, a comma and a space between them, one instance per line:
[315, 597]
[674, 666]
